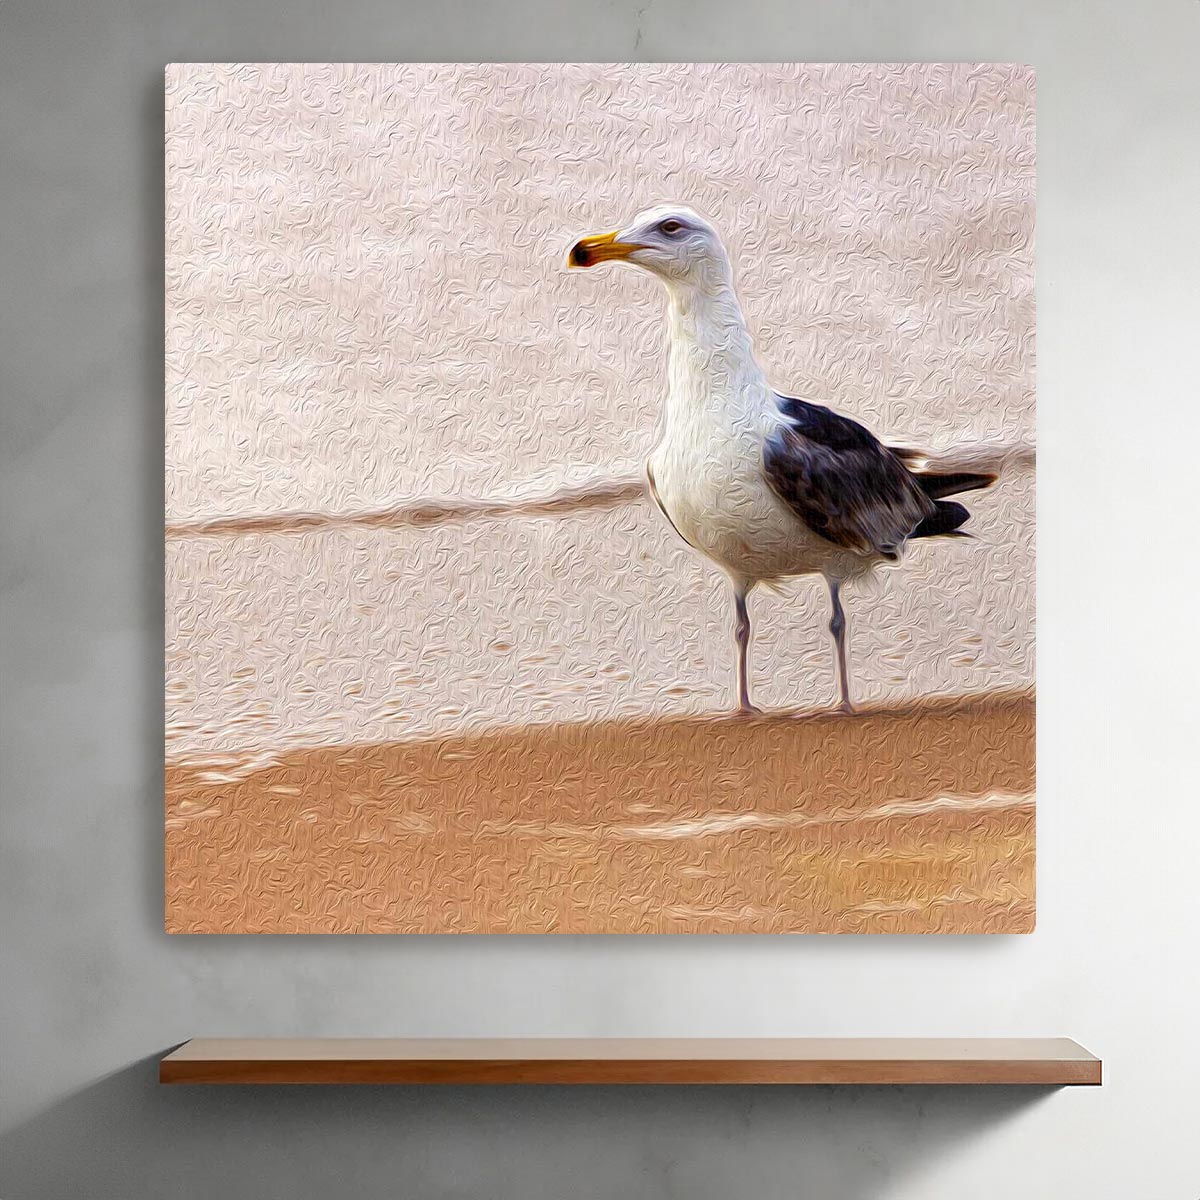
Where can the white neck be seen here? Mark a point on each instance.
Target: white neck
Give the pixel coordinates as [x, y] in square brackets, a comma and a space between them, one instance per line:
[711, 370]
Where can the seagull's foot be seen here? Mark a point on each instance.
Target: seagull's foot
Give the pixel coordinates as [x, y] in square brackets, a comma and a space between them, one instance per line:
[845, 707]
[746, 709]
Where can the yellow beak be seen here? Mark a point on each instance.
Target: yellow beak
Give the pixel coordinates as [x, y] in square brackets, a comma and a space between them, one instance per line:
[603, 247]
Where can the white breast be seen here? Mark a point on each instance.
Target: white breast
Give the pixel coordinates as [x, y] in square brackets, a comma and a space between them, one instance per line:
[707, 470]
[708, 475]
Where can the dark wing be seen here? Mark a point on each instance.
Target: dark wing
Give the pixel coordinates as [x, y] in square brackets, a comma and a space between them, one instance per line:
[841, 482]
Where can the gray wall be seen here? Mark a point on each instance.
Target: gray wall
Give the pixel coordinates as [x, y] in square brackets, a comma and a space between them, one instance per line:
[93, 990]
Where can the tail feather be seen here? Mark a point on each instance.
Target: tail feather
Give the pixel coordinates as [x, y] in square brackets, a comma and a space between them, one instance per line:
[936, 486]
[947, 515]
[944, 521]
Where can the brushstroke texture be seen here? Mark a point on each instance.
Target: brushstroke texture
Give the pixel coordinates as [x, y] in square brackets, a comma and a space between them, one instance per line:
[405, 505]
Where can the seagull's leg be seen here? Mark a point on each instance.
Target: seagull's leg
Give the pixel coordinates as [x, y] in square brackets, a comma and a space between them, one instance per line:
[837, 627]
[741, 633]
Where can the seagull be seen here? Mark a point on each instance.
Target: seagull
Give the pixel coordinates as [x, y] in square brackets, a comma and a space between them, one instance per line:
[764, 485]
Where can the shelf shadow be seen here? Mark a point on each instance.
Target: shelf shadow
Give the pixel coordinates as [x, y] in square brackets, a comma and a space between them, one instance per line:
[126, 1136]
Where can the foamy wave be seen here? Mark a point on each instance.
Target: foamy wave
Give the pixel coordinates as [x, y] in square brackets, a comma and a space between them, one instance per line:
[716, 824]
[228, 768]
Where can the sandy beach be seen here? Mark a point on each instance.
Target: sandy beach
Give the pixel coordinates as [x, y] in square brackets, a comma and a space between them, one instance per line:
[915, 818]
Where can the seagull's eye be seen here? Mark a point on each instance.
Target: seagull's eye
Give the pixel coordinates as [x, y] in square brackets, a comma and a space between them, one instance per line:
[670, 227]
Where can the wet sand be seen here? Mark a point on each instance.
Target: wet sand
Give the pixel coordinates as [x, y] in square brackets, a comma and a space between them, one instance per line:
[909, 819]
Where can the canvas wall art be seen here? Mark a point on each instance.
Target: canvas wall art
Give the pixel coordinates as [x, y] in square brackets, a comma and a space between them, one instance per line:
[600, 498]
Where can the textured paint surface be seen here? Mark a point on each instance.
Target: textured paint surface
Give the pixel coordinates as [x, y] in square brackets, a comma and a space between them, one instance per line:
[433, 660]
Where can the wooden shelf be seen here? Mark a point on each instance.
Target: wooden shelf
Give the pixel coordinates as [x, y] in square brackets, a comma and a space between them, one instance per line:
[1044, 1061]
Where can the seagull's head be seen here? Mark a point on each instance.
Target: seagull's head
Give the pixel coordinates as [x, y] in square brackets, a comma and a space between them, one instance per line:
[671, 241]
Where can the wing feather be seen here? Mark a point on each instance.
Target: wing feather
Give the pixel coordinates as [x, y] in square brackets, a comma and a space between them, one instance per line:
[843, 483]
